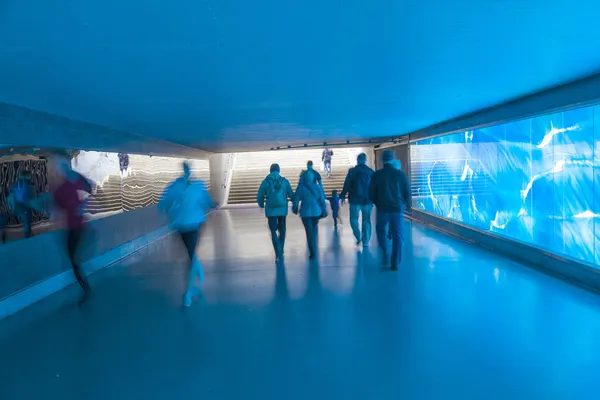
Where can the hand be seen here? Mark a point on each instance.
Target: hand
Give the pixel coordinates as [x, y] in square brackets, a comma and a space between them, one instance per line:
[343, 200]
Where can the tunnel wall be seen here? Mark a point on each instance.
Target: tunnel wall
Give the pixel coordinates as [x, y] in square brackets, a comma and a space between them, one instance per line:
[529, 189]
[36, 267]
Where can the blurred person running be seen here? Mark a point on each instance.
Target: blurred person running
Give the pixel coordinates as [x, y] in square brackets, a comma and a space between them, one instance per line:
[186, 201]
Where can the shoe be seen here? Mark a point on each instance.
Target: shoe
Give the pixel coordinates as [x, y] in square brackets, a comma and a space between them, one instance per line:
[187, 300]
[394, 268]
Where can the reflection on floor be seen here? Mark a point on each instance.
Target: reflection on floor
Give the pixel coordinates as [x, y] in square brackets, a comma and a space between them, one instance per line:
[455, 322]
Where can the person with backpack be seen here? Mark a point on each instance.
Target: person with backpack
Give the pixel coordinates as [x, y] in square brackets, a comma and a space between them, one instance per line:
[276, 190]
[309, 202]
[356, 186]
[390, 192]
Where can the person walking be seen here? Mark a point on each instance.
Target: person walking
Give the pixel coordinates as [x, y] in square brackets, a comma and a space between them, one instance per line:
[356, 187]
[276, 190]
[67, 199]
[334, 203]
[22, 193]
[309, 202]
[186, 201]
[390, 192]
[326, 159]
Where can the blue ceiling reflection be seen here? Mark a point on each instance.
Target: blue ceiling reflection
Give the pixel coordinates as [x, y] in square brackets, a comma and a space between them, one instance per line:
[238, 75]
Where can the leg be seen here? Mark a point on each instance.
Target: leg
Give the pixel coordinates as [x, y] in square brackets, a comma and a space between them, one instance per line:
[354, 212]
[315, 223]
[366, 224]
[273, 227]
[335, 218]
[381, 228]
[191, 242]
[396, 229]
[73, 239]
[310, 233]
[282, 226]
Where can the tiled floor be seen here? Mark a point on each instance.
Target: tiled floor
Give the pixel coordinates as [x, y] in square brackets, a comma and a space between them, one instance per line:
[456, 322]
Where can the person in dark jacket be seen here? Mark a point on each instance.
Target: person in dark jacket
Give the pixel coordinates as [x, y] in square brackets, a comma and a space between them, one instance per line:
[356, 186]
[276, 190]
[390, 192]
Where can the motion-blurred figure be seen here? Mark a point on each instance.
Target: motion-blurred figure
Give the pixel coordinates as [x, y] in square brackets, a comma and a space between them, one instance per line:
[356, 186]
[276, 189]
[22, 193]
[390, 192]
[186, 200]
[67, 199]
[326, 159]
[309, 201]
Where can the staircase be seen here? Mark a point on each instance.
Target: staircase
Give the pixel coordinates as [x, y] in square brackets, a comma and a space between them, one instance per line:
[252, 168]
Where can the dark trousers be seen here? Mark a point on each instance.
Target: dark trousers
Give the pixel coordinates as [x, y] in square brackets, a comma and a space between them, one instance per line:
[395, 221]
[24, 215]
[311, 225]
[73, 240]
[190, 239]
[277, 226]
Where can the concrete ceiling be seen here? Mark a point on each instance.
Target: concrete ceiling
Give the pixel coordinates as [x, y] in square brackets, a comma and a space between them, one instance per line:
[228, 75]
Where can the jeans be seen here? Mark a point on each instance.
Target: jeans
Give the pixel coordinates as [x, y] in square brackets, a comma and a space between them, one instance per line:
[278, 224]
[396, 228]
[327, 165]
[190, 239]
[311, 225]
[362, 234]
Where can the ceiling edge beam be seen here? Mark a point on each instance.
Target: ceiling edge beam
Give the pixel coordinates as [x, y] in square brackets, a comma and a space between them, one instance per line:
[570, 95]
[20, 126]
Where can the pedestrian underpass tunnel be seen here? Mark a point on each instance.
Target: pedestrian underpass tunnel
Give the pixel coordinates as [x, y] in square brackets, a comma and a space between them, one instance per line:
[186, 211]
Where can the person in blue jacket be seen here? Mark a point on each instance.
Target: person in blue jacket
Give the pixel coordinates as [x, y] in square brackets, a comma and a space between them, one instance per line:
[309, 202]
[276, 190]
[356, 187]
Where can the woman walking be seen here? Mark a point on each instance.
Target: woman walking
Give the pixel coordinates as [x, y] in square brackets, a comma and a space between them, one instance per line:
[309, 201]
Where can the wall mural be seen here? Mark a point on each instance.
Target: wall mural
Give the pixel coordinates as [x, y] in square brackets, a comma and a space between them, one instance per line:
[121, 182]
[535, 181]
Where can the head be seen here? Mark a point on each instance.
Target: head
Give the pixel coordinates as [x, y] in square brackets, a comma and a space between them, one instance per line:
[334, 193]
[388, 157]
[309, 165]
[186, 170]
[308, 177]
[275, 168]
[361, 159]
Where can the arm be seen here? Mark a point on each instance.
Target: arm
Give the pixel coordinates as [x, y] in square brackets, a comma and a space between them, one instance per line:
[289, 192]
[347, 185]
[260, 195]
[373, 189]
[296, 199]
[406, 195]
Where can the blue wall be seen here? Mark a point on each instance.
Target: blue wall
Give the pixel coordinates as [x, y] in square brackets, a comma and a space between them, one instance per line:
[536, 181]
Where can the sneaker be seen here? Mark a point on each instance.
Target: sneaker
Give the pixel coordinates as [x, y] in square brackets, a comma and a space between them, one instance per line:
[187, 300]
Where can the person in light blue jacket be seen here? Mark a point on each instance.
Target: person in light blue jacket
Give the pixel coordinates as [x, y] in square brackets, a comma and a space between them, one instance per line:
[187, 201]
[276, 190]
[309, 202]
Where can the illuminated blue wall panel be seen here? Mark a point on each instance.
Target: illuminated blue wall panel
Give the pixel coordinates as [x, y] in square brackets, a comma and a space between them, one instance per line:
[536, 181]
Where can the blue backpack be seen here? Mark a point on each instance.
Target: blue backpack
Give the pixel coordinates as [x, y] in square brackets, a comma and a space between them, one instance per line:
[361, 185]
